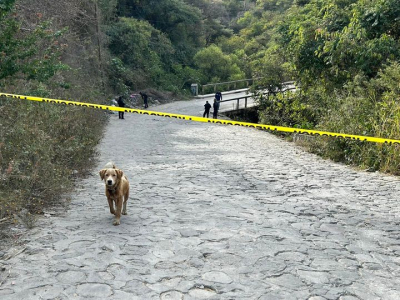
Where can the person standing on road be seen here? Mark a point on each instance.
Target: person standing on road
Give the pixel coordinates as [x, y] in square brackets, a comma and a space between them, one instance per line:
[216, 107]
[145, 99]
[120, 104]
[218, 96]
[207, 107]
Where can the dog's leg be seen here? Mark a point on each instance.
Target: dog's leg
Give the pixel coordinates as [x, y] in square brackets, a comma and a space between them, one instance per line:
[111, 204]
[124, 209]
[118, 211]
[126, 196]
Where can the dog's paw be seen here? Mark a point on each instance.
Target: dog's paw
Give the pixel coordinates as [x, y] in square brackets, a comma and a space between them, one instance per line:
[124, 212]
[116, 222]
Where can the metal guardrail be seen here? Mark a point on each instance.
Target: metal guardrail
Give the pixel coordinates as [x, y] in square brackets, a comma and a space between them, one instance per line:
[251, 96]
[238, 100]
[228, 84]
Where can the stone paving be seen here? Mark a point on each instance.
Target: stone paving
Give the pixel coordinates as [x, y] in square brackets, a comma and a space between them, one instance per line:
[216, 212]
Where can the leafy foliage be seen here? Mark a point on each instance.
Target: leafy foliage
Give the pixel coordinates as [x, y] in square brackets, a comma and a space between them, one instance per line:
[140, 48]
[217, 65]
[179, 21]
[35, 56]
[159, 39]
[344, 55]
[5, 7]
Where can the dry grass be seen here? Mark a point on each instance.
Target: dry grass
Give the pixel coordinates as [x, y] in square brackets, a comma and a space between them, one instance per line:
[42, 147]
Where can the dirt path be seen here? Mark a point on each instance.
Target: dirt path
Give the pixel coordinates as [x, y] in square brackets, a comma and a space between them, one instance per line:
[216, 212]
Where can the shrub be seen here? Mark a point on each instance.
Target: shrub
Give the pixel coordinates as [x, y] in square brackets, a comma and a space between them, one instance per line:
[366, 107]
[41, 148]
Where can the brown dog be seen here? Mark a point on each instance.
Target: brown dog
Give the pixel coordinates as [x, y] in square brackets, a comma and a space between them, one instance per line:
[117, 190]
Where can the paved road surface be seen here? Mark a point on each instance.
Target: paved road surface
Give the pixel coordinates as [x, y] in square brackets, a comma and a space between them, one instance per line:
[216, 212]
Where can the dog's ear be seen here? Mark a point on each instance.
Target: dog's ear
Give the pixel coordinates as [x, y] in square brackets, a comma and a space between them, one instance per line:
[102, 173]
[119, 173]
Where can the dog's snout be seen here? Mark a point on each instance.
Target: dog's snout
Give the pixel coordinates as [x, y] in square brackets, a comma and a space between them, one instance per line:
[109, 182]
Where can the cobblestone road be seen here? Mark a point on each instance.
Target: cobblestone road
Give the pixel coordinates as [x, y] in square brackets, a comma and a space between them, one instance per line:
[216, 212]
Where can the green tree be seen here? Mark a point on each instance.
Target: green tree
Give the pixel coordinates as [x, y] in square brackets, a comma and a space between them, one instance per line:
[271, 73]
[217, 66]
[378, 17]
[327, 41]
[141, 47]
[180, 22]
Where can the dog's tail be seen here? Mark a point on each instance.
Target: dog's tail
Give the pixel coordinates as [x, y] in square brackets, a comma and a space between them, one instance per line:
[110, 165]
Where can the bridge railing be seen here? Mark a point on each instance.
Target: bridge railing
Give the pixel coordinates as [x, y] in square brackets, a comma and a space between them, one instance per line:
[287, 86]
[227, 85]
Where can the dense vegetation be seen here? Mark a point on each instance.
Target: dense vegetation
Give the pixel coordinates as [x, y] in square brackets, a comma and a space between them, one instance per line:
[344, 56]
[168, 44]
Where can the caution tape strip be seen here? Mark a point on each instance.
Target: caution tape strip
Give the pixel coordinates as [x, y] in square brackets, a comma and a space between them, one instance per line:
[206, 120]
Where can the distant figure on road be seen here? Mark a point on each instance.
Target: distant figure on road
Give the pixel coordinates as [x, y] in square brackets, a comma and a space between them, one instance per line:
[216, 107]
[207, 107]
[120, 104]
[218, 96]
[144, 97]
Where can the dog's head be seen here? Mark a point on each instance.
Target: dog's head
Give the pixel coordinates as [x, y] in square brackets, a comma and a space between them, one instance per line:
[111, 177]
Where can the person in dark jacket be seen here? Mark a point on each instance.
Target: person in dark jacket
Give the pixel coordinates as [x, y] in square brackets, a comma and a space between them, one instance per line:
[218, 96]
[120, 104]
[207, 107]
[216, 107]
[145, 99]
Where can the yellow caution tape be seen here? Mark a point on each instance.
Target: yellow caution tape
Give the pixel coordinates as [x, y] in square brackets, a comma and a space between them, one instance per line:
[206, 120]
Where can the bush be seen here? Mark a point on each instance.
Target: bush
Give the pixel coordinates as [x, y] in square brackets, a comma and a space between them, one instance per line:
[41, 148]
[366, 107]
